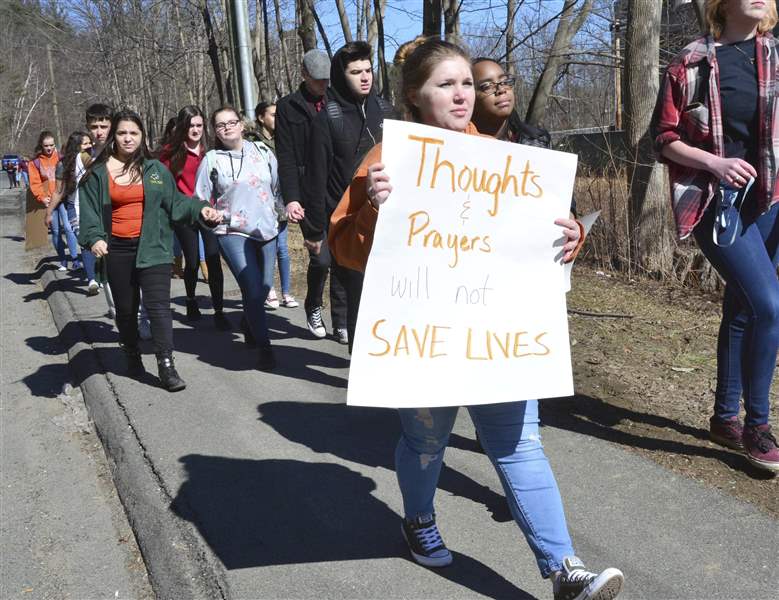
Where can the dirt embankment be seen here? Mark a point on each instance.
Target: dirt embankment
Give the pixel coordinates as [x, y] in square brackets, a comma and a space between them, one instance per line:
[645, 379]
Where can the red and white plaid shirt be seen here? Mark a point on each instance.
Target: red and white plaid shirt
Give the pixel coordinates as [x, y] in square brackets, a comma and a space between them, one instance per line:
[689, 108]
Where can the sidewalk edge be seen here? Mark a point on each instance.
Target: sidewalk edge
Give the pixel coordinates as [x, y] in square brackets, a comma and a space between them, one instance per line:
[179, 565]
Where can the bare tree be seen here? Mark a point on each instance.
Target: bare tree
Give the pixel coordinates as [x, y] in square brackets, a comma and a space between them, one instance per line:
[650, 228]
[306, 25]
[431, 18]
[344, 18]
[572, 17]
[452, 20]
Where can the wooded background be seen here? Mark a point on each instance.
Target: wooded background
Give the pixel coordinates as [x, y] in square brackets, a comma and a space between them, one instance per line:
[588, 70]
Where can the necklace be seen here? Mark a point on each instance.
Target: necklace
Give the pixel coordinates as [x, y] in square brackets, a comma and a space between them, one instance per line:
[751, 59]
[240, 165]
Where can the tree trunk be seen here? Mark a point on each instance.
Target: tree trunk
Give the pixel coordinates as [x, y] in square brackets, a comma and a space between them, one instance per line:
[259, 56]
[570, 23]
[431, 18]
[345, 25]
[452, 20]
[511, 10]
[213, 50]
[320, 28]
[306, 26]
[282, 44]
[700, 13]
[373, 26]
[650, 231]
[378, 12]
[185, 55]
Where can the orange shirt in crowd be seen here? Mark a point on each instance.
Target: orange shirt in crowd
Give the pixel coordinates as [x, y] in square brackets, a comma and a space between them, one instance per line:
[43, 181]
[126, 209]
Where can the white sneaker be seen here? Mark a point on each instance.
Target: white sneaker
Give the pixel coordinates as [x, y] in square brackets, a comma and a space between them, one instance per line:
[62, 268]
[575, 582]
[144, 329]
[272, 302]
[93, 289]
[289, 301]
[315, 324]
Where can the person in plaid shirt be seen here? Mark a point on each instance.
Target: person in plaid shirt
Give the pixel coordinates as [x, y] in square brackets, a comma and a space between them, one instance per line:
[716, 125]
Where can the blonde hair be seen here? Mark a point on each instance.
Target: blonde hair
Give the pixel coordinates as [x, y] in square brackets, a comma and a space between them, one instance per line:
[716, 18]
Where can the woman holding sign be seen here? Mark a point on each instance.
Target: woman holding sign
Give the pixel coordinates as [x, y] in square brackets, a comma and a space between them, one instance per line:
[438, 90]
[715, 124]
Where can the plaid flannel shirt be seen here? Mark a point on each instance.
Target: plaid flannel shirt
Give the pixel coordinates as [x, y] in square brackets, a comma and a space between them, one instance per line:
[689, 108]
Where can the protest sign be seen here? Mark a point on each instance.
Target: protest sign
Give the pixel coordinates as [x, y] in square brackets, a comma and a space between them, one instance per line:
[463, 301]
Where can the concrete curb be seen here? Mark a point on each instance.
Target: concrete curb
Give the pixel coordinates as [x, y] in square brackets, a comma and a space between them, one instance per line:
[180, 566]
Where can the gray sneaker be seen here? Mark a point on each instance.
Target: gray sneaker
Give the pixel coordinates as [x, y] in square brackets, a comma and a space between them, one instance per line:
[341, 335]
[575, 582]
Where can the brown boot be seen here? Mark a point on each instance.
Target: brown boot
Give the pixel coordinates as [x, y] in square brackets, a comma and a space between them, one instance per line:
[204, 270]
[178, 268]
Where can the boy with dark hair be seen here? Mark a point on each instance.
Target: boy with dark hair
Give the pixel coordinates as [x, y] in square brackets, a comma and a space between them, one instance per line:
[340, 137]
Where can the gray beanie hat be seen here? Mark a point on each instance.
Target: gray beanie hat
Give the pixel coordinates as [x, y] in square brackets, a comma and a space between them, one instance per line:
[317, 64]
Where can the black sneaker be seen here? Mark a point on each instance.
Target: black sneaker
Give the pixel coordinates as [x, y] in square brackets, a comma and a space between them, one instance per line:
[575, 582]
[425, 542]
[315, 324]
[221, 322]
[266, 361]
[193, 312]
[248, 337]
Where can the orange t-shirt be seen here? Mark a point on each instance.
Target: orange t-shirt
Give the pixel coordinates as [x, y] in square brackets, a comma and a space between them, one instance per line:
[127, 208]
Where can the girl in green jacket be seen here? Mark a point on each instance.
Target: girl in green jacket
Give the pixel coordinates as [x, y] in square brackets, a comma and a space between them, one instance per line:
[128, 202]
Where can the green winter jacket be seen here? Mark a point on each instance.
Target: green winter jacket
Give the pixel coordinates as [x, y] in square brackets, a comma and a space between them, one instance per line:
[162, 204]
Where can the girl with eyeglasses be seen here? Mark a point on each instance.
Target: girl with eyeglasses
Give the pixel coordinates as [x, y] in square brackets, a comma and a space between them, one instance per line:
[438, 90]
[240, 179]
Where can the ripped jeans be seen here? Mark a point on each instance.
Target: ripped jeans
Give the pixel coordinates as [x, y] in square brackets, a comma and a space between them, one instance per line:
[510, 437]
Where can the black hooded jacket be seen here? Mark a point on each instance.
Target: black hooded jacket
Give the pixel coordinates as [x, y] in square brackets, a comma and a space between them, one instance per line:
[336, 147]
[294, 116]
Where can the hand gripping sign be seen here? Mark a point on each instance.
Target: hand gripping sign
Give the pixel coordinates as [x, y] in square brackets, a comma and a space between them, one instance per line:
[464, 294]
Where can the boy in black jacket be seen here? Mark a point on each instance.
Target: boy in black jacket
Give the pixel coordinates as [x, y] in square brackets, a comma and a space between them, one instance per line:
[341, 135]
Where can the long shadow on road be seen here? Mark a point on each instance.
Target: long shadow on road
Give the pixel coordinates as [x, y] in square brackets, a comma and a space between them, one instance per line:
[255, 513]
[365, 436]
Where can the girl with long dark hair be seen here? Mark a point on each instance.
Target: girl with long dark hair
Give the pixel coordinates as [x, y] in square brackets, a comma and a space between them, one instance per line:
[128, 202]
[182, 155]
[438, 90]
[68, 174]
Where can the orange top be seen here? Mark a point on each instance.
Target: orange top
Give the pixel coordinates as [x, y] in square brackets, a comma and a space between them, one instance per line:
[42, 181]
[127, 208]
[354, 219]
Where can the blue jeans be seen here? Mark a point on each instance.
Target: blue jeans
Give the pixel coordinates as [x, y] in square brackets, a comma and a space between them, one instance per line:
[61, 225]
[251, 263]
[749, 332]
[282, 254]
[510, 437]
[88, 260]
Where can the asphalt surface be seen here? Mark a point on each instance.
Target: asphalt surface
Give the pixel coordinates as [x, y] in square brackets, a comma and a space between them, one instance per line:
[255, 485]
[63, 531]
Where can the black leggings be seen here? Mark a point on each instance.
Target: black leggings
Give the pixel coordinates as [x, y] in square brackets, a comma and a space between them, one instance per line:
[126, 282]
[187, 236]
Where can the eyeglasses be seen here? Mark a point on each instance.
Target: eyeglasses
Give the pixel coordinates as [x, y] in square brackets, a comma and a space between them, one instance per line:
[226, 124]
[492, 87]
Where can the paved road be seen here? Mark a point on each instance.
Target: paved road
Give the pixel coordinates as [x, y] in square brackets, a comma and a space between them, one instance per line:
[253, 485]
[63, 532]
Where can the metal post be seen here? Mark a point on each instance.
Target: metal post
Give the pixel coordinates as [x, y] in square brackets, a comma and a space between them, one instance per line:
[245, 67]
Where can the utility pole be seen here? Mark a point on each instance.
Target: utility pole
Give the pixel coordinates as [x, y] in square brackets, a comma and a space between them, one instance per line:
[240, 13]
[616, 36]
[54, 104]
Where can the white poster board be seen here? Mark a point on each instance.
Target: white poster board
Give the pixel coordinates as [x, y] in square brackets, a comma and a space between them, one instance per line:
[464, 294]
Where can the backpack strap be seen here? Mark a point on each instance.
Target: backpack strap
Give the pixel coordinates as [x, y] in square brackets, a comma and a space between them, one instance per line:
[37, 163]
[386, 108]
[336, 116]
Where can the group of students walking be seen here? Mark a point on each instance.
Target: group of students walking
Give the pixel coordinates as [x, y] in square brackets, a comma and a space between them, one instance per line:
[316, 161]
